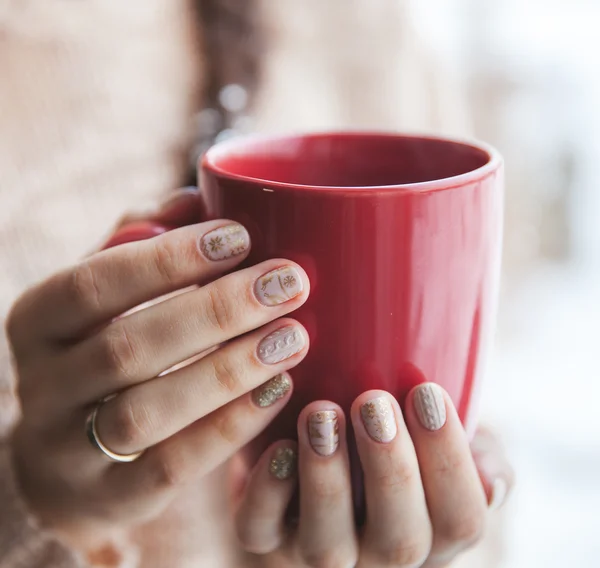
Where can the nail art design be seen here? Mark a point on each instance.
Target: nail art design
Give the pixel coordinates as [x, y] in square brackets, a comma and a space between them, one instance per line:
[430, 406]
[278, 286]
[281, 344]
[283, 463]
[379, 420]
[323, 432]
[225, 242]
[271, 391]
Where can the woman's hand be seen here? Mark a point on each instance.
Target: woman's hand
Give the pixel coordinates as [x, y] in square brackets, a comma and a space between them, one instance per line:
[427, 494]
[72, 349]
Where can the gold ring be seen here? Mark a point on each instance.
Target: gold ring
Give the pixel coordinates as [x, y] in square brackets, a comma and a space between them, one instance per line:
[92, 435]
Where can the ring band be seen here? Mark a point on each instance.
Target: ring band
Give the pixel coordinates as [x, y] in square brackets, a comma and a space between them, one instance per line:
[92, 435]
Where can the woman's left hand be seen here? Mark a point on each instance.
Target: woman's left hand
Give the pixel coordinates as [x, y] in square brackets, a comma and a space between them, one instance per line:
[428, 493]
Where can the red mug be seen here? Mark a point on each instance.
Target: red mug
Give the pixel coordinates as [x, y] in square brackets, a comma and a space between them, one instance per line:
[401, 239]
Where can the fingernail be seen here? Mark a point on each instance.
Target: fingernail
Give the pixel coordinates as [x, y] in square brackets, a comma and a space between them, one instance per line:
[283, 463]
[225, 242]
[271, 391]
[278, 286]
[499, 491]
[323, 432]
[430, 406]
[281, 344]
[379, 420]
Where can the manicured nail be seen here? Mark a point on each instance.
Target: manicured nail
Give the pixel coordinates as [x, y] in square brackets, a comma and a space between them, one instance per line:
[379, 420]
[430, 406]
[281, 344]
[499, 491]
[270, 392]
[225, 242]
[323, 432]
[283, 463]
[278, 286]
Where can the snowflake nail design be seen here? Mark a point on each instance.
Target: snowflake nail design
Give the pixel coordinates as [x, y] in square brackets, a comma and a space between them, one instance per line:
[225, 242]
[278, 286]
[379, 420]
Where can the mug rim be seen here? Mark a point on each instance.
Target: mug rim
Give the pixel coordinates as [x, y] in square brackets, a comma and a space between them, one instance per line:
[208, 161]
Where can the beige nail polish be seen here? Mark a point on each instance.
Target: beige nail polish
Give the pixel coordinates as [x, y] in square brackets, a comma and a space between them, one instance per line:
[280, 345]
[323, 432]
[379, 420]
[225, 242]
[278, 286]
[270, 392]
[283, 463]
[430, 406]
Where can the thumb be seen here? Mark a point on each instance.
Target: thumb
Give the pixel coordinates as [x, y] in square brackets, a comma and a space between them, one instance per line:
[180, 208]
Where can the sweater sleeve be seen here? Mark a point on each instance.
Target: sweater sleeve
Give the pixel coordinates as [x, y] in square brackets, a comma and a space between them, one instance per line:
[23, 544]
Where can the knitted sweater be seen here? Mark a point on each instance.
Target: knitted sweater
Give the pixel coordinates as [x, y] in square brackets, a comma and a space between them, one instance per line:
[96, 103]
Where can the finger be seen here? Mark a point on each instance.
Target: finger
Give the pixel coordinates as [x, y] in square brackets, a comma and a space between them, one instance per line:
[397, 530]
[113, 281]
[260, 518]
[146, 343]
[495, 472]
[197, 450]
[326, 534]
[455, 496]
[178, 208]
[153, 411]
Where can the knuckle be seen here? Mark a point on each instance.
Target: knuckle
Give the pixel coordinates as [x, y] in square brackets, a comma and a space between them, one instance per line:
[327, 491]
[169, 471]
[466, 529]
[331, 558]
[219, 310]
[448, 465]
[83, 288]
[227, 374]
[164, 256]
[396, 478]
[405, 554]
[119, 353]
[128, 426]
[229, 428]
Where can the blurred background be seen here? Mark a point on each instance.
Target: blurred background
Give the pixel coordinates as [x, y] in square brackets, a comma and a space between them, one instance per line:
[524, 76]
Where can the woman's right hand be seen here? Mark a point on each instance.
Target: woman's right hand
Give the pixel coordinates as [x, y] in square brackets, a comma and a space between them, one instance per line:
[72, 349]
